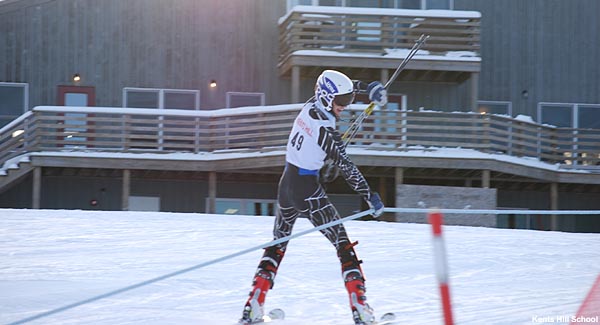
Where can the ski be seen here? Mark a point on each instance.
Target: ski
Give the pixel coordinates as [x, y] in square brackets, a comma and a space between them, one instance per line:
[273, 315]
[386, 319]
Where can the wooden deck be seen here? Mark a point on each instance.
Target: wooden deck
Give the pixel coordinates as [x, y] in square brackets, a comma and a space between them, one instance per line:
[246, 138]
[363, 38]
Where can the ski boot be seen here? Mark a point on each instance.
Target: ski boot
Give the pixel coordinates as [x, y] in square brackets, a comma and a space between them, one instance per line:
[354, 279]
[263, 281]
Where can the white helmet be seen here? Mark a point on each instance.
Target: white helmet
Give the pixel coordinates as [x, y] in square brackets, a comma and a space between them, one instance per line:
[333, 86]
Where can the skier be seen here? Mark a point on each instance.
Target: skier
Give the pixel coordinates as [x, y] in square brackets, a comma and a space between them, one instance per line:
[314, 139]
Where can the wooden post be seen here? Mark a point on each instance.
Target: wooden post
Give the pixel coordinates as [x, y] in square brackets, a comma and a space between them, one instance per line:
[399, 177]
[295, 84]
[474, 91]
[385, 76]
[553, 205]
[37, 188]
[485, 178]
[126, 189]
[212, 192]
[382, 189]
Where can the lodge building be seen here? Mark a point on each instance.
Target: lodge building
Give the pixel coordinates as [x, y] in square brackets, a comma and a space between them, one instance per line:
[186, 105]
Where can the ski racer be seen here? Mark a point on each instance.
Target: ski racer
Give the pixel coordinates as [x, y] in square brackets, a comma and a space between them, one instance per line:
[314, 139]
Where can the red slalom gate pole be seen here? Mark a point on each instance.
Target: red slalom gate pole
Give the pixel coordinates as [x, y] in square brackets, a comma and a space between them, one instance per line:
[441, 264]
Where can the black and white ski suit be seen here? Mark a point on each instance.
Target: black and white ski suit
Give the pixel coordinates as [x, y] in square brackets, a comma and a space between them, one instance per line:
[314, 139]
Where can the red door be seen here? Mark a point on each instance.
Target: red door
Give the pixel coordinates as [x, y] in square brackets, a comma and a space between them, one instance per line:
[77, 130]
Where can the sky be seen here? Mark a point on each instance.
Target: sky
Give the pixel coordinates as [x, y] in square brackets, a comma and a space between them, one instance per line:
[53, 258]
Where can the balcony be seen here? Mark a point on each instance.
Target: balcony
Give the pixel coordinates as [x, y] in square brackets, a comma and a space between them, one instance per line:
[369, 40]
[91, 130]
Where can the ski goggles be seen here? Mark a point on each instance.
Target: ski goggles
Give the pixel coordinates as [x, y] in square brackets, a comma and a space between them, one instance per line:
[344, 100]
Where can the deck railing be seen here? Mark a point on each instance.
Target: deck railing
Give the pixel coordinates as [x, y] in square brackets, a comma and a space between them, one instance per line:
[90, 129]
[377, 30]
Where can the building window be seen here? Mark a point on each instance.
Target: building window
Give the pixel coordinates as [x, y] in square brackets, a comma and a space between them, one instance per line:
[168, 135]
[161, 98]
[14, 101]
[252, 207]
[240, 99]
[494, 107]
[585, 121]
[560, 115]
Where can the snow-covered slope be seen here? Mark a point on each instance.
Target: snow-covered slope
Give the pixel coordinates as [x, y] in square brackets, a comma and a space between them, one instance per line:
[53, 258]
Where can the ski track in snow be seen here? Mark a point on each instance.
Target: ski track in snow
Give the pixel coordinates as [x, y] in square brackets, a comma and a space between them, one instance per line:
[52, 258]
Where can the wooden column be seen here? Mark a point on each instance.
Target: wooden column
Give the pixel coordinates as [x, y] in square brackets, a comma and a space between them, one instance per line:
[382, 190]
[385, 76]
[485, 178]
[399, 177]
[554, 205]
[36, 195]
[126, 189]
[295, 84]
[398, 180]
[474, 91]
[212, 192]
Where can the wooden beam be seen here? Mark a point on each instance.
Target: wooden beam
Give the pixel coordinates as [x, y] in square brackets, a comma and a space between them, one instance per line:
[37, 188]
[554, 205]
[126, 189]
[485, 178]
[295, 84]
[212, 193]
[474, 91]
[383, 189]
[399, 176]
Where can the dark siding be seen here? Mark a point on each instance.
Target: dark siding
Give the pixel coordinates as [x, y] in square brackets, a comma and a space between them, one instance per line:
[186, 43]
[548, 47]
[77, 193]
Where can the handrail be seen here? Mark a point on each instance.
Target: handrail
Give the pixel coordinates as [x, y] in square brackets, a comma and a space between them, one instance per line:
[112, 129]
[347, 30]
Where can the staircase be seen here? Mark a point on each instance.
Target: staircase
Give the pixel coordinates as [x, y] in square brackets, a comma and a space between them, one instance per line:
[13, 170]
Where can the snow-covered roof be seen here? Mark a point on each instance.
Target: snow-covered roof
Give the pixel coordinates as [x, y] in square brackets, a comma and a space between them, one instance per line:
[323, 10]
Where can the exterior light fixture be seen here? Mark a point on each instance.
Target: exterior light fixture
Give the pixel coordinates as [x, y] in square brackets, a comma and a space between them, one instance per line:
[213, 83]
[76, 77]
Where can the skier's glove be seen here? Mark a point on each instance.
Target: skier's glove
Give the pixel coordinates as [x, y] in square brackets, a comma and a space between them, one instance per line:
[377, 93]
[375, 204]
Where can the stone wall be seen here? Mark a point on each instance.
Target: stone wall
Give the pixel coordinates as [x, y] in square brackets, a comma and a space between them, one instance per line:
[446, 197]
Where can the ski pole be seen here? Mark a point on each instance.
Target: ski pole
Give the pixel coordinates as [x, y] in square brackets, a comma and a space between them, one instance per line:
[357, 123]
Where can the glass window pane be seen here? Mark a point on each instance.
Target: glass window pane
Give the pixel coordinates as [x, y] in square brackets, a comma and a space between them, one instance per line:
[409, 4]
[177, 100]
[494, 108]
[76, 99]
[330, 2]
[387, 3]
[224, 206]
[363, 3]
[142, 99]
[12, 100]
[239, 99]
[560, 116]
[589, 117]
[438, 4]
[5, 120]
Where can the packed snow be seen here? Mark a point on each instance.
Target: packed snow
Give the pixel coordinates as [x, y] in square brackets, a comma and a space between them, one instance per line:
[53, 258]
